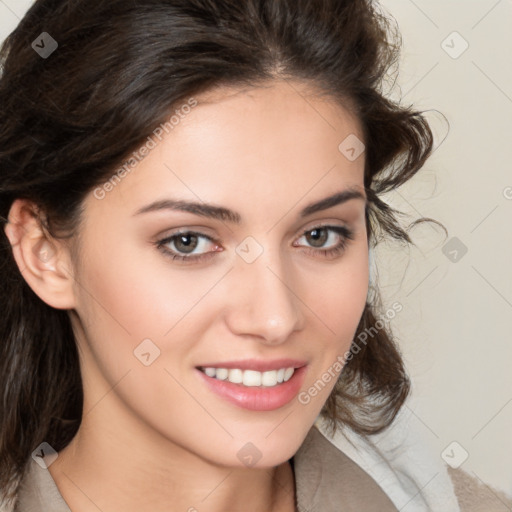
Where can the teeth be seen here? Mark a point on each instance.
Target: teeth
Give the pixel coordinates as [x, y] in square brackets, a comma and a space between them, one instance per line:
[269, 378]
[210, 372]
[222, 374]
[251, 378]
[236, 376]
[288, 374]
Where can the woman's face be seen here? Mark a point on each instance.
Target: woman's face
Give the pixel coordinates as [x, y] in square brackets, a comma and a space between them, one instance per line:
[165, 289]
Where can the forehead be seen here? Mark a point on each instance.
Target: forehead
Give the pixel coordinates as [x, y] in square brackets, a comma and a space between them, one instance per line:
[267, 144]
[306, 112]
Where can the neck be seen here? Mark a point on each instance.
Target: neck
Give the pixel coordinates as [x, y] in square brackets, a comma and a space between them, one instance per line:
[104, 468]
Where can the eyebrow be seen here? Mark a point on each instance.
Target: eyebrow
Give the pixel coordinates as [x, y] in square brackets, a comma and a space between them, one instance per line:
[220, 213]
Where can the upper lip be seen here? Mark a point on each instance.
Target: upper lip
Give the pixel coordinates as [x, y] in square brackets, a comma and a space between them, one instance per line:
[256, 364]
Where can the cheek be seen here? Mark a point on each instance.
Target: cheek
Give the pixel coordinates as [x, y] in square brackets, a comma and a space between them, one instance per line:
[339, 300]
[137, 294]
[126, 289]
[340, 297]
[129, 299]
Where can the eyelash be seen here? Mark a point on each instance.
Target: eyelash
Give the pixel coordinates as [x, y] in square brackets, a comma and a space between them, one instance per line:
[346, 234]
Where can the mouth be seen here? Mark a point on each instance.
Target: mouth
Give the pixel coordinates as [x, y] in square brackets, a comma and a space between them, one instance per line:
[250, 378]
[253, 385]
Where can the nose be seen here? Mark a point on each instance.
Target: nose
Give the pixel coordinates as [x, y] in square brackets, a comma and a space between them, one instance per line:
[263, 302]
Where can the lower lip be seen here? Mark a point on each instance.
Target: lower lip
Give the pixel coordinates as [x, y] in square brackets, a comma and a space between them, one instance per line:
[257, 398]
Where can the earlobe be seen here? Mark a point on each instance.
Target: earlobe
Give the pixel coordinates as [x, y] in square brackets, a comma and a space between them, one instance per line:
[43, 262]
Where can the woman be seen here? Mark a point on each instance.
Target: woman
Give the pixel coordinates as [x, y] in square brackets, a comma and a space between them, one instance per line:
[189, 193]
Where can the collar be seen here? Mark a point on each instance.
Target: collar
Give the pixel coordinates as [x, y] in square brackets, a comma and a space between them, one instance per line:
[326, 480]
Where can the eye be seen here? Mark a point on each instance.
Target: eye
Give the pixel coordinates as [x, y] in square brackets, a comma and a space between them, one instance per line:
[191, 246]
[188, 246]
[327, 241]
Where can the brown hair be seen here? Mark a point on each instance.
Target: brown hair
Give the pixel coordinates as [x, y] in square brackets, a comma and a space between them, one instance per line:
[120, 67]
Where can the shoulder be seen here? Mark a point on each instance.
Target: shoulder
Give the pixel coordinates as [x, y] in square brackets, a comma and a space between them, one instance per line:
[37, 492]
[476, 496]
[7, 506]
[325, 478]
[407, 467]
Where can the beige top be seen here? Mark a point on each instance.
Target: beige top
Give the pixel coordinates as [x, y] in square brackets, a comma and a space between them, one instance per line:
[326, 480]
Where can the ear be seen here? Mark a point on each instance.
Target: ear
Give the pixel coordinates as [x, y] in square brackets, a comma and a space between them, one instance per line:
[43, 261]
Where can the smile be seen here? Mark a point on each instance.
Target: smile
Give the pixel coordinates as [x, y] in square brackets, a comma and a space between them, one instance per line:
[266, 390]
[250, 378]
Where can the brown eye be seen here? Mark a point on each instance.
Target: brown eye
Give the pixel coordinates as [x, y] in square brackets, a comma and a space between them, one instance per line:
[317, 237]
[186, 242]
[326, 241]
[188, 246]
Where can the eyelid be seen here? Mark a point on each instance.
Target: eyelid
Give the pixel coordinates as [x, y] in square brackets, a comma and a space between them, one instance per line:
[203, 230]
[325, 224]
[345, 233]
[188, 231]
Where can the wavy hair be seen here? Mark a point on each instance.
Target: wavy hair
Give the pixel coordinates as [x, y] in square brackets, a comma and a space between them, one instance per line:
[120, 68]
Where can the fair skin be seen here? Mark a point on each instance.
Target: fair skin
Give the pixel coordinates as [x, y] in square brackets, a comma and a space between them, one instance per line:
[156, 437]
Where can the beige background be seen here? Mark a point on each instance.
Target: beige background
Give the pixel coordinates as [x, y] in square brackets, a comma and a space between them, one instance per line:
[455, 327]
